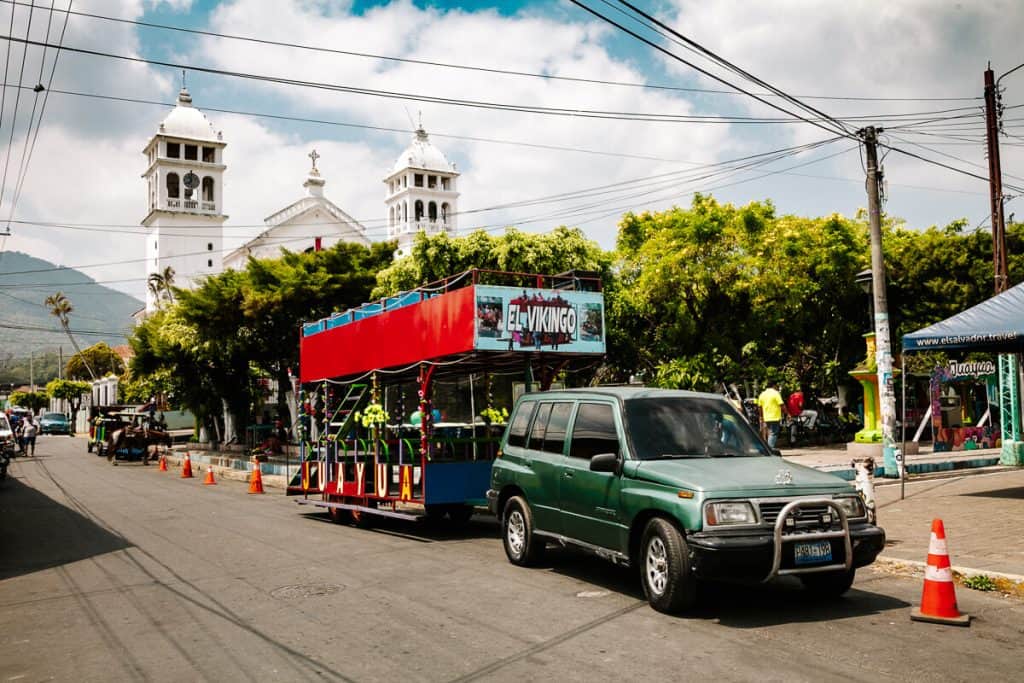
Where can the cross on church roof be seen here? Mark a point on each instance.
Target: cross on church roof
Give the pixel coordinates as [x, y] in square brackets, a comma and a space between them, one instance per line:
[314, 156]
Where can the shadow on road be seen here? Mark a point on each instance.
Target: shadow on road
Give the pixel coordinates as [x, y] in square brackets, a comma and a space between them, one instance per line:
[37, 532]
[1015, 493]
[783, 601]
[426, 531]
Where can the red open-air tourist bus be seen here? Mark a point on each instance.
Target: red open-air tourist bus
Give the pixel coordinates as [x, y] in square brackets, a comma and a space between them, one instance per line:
[363, 454]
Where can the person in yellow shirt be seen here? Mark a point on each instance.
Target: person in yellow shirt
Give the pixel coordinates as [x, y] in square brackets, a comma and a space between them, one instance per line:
[770, 401]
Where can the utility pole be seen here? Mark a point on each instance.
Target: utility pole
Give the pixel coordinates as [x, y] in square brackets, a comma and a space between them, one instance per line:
[60, 362]
[995, 182]
[883, 344]
[32, 371]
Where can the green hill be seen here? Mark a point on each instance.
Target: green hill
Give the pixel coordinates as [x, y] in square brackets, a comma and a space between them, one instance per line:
[29, 331]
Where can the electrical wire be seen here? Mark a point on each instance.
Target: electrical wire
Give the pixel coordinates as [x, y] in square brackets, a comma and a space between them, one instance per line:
[576, 113]
[482, 69]
[17, 101]
[562, 213]
[42, 111]
[841, 130]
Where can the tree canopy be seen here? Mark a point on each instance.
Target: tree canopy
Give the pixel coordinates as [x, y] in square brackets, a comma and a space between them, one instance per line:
[101, 358]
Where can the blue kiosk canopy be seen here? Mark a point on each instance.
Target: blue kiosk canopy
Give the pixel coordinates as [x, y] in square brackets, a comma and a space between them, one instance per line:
[995, 325]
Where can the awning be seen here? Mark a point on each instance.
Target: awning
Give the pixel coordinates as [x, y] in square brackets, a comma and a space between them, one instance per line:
[995, 325]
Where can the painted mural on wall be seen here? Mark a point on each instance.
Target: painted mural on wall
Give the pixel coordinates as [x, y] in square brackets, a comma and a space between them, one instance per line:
[959, 437]
[535, 320]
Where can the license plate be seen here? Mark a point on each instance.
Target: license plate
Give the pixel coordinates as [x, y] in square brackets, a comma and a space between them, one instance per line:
[812, 553]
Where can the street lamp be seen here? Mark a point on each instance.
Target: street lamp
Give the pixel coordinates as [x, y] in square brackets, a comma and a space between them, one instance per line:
[863, 278]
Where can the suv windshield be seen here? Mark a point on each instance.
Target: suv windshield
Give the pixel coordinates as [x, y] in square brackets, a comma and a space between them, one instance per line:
[689, 427]
[59, 417]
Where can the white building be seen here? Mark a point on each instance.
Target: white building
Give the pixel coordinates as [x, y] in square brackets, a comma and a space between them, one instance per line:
[184, 180]
[310, 224]
[421, 193]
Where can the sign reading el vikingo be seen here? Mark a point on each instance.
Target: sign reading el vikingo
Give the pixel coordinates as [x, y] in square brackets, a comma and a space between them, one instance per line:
[534, 320]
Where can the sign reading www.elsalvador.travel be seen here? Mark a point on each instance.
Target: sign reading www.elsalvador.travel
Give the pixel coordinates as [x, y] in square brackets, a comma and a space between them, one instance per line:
[524, 319]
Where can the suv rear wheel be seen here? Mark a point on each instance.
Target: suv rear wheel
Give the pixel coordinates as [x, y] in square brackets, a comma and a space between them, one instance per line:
[665, 570]
[522, 547]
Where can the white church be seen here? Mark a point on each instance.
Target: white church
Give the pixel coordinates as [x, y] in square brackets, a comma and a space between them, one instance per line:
[184, 176]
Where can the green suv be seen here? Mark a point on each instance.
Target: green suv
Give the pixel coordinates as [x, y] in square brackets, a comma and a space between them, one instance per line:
[676, 483]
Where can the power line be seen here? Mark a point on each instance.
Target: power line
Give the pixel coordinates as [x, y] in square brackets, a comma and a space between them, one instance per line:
[561, 213]
[647, 117]
[482, 69]
[841, 130]
[46, 97]
[17, 101]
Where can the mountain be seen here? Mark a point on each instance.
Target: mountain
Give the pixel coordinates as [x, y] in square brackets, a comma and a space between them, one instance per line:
[28, 329]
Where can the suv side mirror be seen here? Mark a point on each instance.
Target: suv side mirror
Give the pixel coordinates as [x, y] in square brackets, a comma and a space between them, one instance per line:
[605, 462]
[777, 451]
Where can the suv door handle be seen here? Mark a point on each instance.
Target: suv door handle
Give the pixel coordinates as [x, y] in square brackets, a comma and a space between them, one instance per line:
[568, 475]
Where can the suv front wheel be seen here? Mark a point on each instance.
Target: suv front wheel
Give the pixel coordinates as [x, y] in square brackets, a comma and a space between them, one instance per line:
[665, 570]
[521, 545]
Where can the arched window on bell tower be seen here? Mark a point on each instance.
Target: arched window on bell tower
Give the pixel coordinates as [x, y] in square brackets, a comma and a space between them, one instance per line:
[173, 186]
[432, 212]
[419, 210]
[207, 189]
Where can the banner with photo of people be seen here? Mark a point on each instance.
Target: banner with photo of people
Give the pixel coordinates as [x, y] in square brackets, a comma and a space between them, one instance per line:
[535, 320]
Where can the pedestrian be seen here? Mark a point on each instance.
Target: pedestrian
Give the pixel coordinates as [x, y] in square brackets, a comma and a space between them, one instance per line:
[29, 430]
[770, 402]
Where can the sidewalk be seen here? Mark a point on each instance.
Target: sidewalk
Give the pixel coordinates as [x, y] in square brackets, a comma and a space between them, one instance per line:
[836, 460]
[981, 514]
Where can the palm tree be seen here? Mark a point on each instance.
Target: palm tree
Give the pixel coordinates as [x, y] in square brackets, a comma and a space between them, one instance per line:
[60, 306]
[160, 284]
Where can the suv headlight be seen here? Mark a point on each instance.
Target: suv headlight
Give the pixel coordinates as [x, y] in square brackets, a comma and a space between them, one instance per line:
[852, 506]
[731, 512]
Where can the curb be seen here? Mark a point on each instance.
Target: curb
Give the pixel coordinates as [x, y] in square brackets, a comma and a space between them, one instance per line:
[918, 568]
[945, 474]
[274, 481]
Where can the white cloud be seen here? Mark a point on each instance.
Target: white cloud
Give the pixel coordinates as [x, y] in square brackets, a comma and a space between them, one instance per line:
[87, 164]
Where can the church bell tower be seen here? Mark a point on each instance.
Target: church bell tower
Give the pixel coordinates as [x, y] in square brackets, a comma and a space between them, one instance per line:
[184, 198]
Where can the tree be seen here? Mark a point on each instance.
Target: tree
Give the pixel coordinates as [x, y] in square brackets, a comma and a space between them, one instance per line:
[716, 293]
[936, 273]
[161, 285]
[441, 256]
[32, 400]
[60, 307]
[70, 391]
[99, 358]
[278, 295]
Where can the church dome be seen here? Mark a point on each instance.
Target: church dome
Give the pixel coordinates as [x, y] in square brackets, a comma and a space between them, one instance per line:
[185, 121]
[422, 154]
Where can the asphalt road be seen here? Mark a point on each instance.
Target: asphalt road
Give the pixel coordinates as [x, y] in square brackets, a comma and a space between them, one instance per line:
[126, 573]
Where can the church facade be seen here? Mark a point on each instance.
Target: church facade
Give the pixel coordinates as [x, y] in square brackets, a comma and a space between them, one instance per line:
[312, 223]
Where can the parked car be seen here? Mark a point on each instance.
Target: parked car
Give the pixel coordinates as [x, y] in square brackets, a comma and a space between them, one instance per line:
[54, 423]
[676, 484]
[6, 445]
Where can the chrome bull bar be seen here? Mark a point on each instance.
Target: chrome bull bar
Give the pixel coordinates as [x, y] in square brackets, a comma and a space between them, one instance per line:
[780, 537]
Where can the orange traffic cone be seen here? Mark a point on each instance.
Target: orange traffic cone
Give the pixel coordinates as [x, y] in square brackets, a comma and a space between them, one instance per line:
[938, 601]
[256, 480]
[163, 463]
[186, 468]
[209, 476]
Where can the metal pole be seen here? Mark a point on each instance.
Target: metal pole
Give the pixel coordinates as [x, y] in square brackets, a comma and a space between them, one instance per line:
[472, 414]
[903, 424]
[883, 345]
[995, 183]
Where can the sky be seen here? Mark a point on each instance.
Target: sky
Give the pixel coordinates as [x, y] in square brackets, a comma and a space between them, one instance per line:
[82, 196]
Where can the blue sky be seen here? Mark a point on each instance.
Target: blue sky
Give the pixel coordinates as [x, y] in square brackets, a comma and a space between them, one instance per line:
[808, 48]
